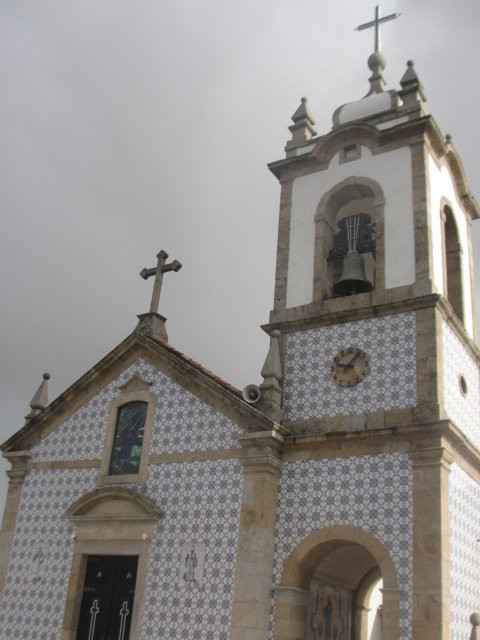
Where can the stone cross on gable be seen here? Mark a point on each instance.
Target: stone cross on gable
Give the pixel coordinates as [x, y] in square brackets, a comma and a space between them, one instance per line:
[376, 22]
[158, 271]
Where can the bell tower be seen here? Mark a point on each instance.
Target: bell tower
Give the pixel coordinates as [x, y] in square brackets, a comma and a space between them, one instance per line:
[374, 300]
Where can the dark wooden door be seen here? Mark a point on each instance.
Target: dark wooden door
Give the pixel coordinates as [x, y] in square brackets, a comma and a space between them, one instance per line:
[107, 602]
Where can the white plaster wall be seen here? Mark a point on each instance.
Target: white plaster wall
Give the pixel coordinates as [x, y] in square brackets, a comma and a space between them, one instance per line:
[442, 186]
[392, 171]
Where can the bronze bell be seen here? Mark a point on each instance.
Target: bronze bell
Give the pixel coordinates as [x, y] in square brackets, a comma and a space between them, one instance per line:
[353, 279]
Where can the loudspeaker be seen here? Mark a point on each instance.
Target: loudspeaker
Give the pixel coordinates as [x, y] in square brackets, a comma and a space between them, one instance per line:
[251, 393]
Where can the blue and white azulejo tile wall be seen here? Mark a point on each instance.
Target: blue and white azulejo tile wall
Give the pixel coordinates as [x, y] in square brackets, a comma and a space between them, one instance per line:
[464, 501]
[35, 591]
[200, 503]
[373, 493]
[182, 422]
[390, 342]
[463, 408]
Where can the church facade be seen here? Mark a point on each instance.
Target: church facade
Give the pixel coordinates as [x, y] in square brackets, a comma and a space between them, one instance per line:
[153, 500]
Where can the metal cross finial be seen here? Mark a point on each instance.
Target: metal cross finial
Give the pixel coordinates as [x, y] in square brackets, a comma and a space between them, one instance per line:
[158, 272]
[376, 22]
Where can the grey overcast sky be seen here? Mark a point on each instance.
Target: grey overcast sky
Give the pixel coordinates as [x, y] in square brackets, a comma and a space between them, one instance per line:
[128, 126]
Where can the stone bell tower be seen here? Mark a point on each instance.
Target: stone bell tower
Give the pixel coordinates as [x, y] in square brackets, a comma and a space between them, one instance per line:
[374, 299]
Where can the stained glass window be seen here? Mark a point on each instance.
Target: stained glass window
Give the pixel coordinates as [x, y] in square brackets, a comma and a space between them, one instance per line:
[128, 438]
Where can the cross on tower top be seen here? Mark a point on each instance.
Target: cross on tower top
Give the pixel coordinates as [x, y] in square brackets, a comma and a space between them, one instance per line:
[152, 323]
[158, 272]
[376, 22]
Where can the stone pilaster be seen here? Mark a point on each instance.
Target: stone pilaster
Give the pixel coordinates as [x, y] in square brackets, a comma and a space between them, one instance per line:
[431, 545]
[20, 464]
[253, 581]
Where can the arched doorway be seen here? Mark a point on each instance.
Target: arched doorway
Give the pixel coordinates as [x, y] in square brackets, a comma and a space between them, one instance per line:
[327, 584]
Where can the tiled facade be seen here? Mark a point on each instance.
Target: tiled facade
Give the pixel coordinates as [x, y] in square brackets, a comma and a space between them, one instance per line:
[200, 503]
[464, 501]
[35, 591]
[182, 422]
[462, 408]
[373, 493]
[310, 391]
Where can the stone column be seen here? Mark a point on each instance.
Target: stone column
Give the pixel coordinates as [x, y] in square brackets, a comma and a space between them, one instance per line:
[431, 544]
[20, 465]
[291, 608]
[253, 581]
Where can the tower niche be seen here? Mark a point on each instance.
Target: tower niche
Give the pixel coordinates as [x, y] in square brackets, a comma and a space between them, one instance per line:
[452, 263]
[352, 197]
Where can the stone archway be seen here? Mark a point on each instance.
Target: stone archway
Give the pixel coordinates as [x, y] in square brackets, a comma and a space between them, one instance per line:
[352, 559]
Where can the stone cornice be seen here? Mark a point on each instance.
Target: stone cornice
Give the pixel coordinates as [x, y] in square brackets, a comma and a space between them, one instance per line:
[364, 306]
[439, 439]
[261, 452]
[364, 132]
[349, 309]
[21, 464]
[431, 457]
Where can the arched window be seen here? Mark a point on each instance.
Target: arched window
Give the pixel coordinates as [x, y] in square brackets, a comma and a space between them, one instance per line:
[128, 438]
[128, 433]
[452, 262]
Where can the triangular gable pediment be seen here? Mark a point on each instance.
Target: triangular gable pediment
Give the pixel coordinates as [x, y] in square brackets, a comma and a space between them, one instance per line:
[184, 371]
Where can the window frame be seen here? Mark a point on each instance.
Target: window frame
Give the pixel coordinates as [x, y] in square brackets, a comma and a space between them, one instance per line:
[135, 390]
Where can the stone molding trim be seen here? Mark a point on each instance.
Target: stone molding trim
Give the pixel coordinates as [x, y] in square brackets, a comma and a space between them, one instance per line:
[406, 133]
[21, 464]
[261, 452]
[360, 134]
[135, 389]
[109, 521]
[110, 503]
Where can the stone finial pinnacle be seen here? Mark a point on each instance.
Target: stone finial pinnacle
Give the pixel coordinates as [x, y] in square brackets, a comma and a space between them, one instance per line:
[412, 89]
[377, 63]
[271, 399]
[40, 399]
[475, 622]
[302, 127]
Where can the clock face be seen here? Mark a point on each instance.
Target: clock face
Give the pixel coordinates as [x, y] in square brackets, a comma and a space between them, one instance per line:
[350, 366]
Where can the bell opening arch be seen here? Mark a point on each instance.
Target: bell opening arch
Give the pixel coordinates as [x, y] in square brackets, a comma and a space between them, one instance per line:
[354, 195]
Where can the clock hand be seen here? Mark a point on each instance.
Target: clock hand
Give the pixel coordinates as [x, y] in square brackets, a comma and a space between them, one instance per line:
[349, 364]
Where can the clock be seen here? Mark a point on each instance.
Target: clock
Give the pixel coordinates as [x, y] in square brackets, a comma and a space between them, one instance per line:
[349, 367]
